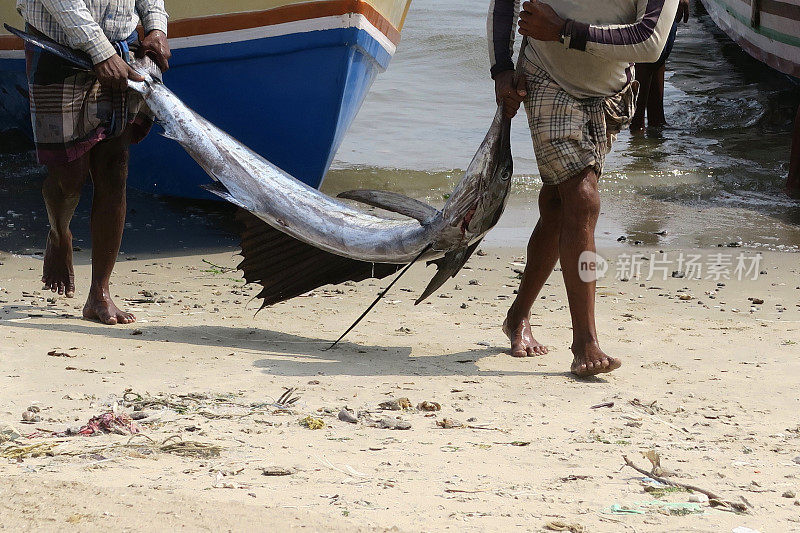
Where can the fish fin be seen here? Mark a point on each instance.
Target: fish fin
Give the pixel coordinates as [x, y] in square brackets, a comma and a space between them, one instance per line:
[286, 267]
[171, 136]
[77, 58]
[219, 189]
[392, 201]
[447, 267]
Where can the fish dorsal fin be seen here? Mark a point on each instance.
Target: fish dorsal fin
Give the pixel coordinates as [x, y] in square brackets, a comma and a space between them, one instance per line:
[286, 267]
[392, 201]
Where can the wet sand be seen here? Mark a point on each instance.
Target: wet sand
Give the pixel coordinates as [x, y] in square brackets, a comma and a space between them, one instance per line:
[709, 383]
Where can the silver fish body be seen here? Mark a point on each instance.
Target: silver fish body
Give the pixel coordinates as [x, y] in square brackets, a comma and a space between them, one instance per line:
[330, 224]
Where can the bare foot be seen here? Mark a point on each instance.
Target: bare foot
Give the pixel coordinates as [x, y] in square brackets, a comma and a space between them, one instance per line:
[590, 361]
[57, 274]
[99, 307]
[522, 342]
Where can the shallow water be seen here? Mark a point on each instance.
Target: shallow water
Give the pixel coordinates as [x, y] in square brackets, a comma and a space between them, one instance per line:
[712, 177]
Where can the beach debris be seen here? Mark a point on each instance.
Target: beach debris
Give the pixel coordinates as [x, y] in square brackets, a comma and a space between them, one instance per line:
[55, 353]
[275, 471]
[175, 445]
[713, 499]
[449, 423]
[601, 405]
[391, 423]
[287, 399]
[399, 404]
[31, 415]
[190, 448]
[655, 460]
[347, 470]
[756, 301]
[559, 525]
[110, 422]
[18, 453]
[429, 406]
[8, 433]
[623, 509]
[788, 494]
[345, 415]
[312, 423]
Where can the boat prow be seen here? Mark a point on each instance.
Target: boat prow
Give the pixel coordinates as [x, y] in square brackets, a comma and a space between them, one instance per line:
[285, 77]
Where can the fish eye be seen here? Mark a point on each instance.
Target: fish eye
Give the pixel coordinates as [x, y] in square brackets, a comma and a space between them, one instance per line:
[505, 175]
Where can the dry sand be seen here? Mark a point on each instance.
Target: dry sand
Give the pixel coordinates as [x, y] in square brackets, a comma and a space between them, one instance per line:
[714, 391]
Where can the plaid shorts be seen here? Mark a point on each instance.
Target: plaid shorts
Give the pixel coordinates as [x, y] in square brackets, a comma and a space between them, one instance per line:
[571, 134]
[71, 112]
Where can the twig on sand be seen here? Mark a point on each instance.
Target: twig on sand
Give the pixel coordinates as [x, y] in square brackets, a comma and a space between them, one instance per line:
[713, 498]
[222, 269]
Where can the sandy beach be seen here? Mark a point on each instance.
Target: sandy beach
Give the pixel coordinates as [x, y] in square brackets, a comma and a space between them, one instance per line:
[709, 382]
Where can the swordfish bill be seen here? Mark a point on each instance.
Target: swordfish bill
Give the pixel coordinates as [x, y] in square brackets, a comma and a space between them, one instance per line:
[296, 238]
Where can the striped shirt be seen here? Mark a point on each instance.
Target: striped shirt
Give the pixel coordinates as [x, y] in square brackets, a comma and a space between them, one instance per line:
[91, 25]
[603, 39]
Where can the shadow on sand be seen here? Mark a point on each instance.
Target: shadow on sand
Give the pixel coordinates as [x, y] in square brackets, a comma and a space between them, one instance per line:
[282, 354]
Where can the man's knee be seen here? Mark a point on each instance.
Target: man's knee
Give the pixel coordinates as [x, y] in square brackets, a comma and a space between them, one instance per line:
[549, 204]
[580, 196]
[109, 165]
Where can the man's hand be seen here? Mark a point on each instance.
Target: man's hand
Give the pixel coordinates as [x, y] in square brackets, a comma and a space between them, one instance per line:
[683, 11]
[114, 72]
[539, 21]
[510, 92]
[156, 46]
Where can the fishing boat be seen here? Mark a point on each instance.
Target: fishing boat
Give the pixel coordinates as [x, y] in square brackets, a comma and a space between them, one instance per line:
[768, 30]
[286, 78]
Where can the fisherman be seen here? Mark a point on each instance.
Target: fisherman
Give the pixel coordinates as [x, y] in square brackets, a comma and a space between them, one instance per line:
[575, 77]
[83, 123]
[651, 80]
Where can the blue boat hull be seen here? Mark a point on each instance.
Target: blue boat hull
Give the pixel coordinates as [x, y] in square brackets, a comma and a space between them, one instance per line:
[291, 98]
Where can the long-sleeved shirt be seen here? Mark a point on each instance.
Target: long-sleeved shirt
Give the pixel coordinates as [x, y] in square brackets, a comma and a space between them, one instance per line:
[91, 25]
[602, 39]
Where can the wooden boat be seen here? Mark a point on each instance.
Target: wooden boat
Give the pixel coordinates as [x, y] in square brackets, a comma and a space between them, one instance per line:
[286, 78]
[768, 30]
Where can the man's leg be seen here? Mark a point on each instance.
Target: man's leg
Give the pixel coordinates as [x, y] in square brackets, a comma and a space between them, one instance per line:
[793, 180]
[655, 102]
[644, 75]
[109, 170]
[61, 192]
[542, 257]
[580, 204]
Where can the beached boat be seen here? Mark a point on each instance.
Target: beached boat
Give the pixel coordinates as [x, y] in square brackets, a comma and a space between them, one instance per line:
[768, 30]
[286, 77]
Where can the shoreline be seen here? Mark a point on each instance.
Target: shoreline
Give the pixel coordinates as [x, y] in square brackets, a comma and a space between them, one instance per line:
[692, 386]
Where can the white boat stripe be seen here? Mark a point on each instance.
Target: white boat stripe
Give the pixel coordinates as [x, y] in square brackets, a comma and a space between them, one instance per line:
[781, 24]
[350, 20]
